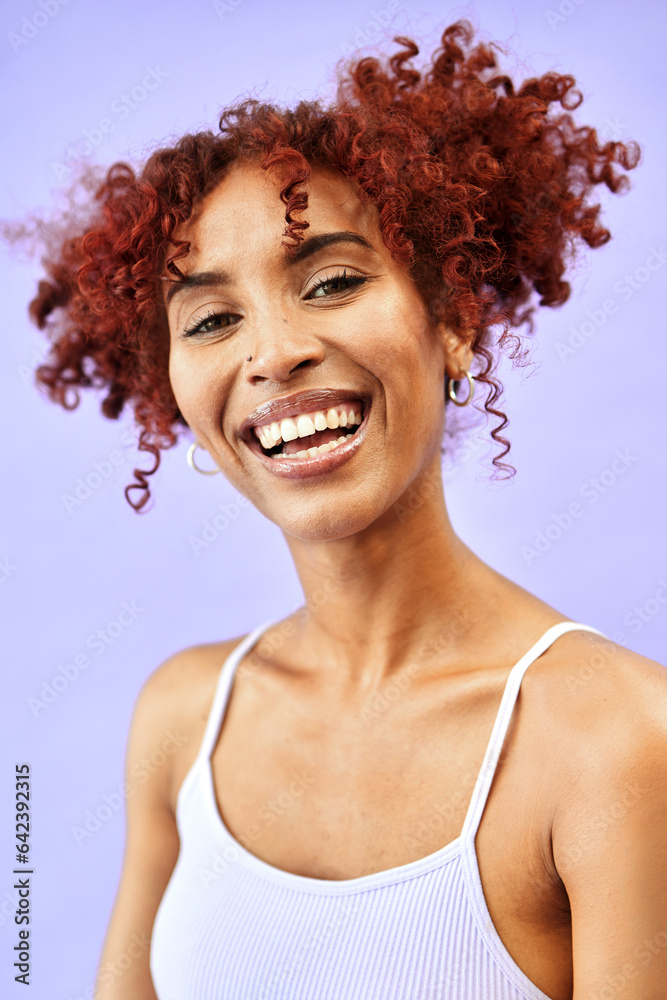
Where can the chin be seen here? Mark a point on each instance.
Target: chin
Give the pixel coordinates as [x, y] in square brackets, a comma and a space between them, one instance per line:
[318, 522]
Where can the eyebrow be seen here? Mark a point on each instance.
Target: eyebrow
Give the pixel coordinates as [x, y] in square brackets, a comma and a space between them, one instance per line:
[216, 277]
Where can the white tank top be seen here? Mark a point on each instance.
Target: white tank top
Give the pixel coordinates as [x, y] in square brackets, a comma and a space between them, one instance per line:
[233, 927]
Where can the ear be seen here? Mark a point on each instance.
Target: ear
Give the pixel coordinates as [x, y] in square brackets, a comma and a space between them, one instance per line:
[458, 351]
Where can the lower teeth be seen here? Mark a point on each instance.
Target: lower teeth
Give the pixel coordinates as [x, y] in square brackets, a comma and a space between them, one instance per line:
[311, 452]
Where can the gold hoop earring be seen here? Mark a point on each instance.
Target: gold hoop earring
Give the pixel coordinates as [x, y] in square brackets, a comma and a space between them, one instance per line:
[191, 461]
[451, 394]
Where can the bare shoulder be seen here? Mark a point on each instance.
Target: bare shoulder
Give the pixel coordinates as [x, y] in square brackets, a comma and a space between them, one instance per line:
[597, 684]
[609, 747]
[173, 706]
[603, 713]
[594, 699]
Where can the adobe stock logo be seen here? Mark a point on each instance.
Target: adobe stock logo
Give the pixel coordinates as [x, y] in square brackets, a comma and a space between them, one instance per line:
[370, 32]
[213, 529]
[624, 289]
[119, 109]
[592, 490]
[30, 26]
[98, 641]
[565, 9]
[102, 471]
[221, 8]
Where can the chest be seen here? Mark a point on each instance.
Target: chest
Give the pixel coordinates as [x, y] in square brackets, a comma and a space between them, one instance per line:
[311, 793]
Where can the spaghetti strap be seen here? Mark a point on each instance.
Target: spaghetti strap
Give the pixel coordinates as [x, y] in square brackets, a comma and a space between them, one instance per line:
[227, 672]
[499, 731]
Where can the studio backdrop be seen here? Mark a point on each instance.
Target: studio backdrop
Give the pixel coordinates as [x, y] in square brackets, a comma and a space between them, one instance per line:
[94, 596]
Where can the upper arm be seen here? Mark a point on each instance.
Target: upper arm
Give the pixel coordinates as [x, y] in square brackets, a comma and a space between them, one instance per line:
[610, 841]
[151, 842]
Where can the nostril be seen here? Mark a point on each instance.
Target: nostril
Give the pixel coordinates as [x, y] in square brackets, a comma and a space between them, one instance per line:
[304, 364]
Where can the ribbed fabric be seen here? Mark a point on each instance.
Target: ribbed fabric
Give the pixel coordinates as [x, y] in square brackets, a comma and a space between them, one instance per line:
[232, 927]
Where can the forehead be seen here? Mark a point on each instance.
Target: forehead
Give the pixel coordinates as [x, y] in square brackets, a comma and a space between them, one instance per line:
[245, 215]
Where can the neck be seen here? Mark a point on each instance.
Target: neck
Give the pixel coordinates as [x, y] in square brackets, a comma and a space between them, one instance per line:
[393, 593]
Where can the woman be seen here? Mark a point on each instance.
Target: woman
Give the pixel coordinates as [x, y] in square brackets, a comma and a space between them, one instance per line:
[373, 797]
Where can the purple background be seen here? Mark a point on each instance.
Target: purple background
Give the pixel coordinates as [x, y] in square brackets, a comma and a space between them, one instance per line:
[67, 573]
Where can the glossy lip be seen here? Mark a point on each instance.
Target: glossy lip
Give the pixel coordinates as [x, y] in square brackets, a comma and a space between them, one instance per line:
[305, 468]
[300, 402]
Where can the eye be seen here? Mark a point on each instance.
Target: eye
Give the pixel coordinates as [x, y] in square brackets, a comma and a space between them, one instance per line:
[336, 279]
[209, 323]
[213, 321]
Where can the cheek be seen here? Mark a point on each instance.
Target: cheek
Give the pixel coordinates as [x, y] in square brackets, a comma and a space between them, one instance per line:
[179, 388]
[403, 354]
[200, 388]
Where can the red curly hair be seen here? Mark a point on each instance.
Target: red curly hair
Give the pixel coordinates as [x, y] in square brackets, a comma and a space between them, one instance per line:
[482, 192]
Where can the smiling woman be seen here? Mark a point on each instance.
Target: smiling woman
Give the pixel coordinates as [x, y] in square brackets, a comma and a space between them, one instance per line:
[368, 798]
[354, 339]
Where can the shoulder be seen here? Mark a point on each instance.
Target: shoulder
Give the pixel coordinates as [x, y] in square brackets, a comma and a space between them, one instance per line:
[598, 698]
[171, 711]
[605, 710]
[607, 836]
[184, 678]
[598, 684]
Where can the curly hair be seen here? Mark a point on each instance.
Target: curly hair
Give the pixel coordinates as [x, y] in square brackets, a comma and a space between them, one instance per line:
[482, 189]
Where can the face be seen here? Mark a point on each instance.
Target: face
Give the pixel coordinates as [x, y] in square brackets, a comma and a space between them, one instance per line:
[341, 330]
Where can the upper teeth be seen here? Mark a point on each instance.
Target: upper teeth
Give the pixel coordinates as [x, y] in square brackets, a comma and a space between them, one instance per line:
[304, 424]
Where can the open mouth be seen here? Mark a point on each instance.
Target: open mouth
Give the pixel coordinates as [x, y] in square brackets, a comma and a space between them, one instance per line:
[309, 434]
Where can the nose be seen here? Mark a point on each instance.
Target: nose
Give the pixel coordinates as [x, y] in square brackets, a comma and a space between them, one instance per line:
[278, 350]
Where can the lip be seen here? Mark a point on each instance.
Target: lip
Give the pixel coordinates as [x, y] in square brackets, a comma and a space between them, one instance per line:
[299, 402]
[305, 468]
